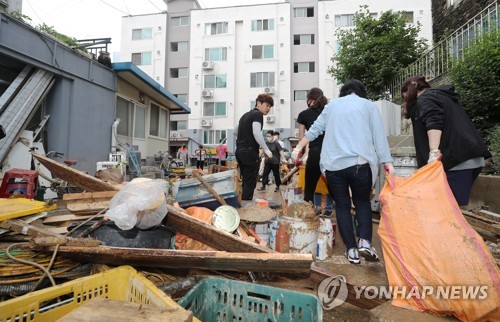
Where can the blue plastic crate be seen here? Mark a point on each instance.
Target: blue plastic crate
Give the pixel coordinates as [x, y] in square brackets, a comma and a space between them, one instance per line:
[218, 299]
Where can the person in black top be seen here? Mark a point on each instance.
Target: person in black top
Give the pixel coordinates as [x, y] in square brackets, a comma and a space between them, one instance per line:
[443, 131]
[316, 101]
[104, 59]
[272, 163]
[249, 138]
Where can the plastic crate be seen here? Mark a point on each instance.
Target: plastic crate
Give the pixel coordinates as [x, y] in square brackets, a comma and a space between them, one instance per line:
[123, 283]
[218, 299]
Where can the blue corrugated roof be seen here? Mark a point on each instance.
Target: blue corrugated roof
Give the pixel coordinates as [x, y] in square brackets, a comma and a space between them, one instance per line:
[141, 75]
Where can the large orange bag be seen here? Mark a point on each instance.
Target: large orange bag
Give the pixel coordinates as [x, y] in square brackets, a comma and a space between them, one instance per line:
[429, 248]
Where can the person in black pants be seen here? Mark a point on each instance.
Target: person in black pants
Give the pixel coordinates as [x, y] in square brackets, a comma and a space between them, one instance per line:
[200, 157]
[316, 101]
[272, 163]
[248, 139]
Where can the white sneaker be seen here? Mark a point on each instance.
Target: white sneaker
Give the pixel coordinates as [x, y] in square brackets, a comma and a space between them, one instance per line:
[352, 255]
[367, 250]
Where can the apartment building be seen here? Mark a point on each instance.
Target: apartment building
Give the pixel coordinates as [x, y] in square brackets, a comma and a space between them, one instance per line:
[219, 59]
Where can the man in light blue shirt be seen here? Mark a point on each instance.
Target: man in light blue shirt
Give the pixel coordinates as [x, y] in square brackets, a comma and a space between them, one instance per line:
[353, 148]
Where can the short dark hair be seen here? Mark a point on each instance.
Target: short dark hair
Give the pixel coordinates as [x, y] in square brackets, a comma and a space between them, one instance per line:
[276, 133]
[270, 132]
[265, 98]
[353, 86]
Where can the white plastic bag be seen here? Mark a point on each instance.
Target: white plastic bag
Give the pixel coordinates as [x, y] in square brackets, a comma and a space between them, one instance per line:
[139, 203]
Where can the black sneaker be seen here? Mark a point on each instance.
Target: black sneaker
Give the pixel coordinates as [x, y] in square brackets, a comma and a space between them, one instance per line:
[276, 189]
[352, 255]
[262, 189]
[367, 250]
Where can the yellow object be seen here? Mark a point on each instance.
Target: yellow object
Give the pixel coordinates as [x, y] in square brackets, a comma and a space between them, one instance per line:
[321, 187]
[19, 207]
[123, 283]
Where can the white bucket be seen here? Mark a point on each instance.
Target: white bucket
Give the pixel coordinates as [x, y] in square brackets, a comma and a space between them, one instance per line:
[303, 234]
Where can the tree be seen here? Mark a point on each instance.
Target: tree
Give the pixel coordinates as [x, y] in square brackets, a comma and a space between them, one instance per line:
[477, 80]
[375, 50]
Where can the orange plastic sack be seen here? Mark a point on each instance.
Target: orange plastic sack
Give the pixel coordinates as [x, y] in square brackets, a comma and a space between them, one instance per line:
[183, 242]
[430, 250]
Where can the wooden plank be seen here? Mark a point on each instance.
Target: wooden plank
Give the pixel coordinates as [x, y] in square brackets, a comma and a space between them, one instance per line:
[89, 195]
[209, 235]
[22, 227]
[102, 309]
[217, 239]
[87, 205]
[495, 229]
[73, 176]
[20, 207]
[167, 258]
[478, 216]
[64, 218]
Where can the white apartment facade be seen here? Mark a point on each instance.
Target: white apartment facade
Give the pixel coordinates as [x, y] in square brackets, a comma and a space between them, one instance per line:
[235, 53]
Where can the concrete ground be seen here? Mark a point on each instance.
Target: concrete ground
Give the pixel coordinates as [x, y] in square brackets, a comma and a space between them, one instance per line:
[365, 274]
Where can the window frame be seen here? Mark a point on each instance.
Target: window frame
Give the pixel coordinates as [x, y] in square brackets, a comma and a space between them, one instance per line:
[297, 39]
[213, 136]
[208, 53]
[214, 108]
[297, 95]
[306, 12]
[162, 133]
[178, 47]
[181, 21]
[182, 72]
[260, 25]
[262, 51]
[142, 36]
[221, 27]
[216, 79]
[143, 56]
[262, 79]
[299, 67]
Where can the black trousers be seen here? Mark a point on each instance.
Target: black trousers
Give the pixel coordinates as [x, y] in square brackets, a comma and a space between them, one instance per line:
[200, 164]
[276, 171]
[248, 162]
[313, 173]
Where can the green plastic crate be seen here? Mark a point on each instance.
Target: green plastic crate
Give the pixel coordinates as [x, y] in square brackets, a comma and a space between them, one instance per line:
[219, 299]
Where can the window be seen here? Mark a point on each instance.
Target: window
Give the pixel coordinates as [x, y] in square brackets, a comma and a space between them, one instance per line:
[158, 125]
[140, 122]
[264, 24]
[179, 46]
[216, 54]
[179, 21]
[303, 39]
[300, 95]
[144, 33]
[216, 28]
[307, 67]
[262, 79]
[213, 136]
[214, 109]
[179, 72]
[303, 12]
[262, 51]
[344, 20]
[139, 59]
[182, 97]
[408, 15]
[215, 81]
[125, 112]
[178, 125]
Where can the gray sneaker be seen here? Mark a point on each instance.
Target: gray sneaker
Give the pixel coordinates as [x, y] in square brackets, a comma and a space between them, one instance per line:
[352, 255]
[367, 250]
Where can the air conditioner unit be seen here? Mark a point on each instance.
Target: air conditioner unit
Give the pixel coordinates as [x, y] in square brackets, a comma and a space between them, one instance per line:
[269, 90]
[207, 65]
[207, 93]
[175, 134]
[206, 123]
[270, 118]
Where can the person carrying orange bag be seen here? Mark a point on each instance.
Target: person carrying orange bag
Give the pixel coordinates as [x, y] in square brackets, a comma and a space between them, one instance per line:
[433, 257]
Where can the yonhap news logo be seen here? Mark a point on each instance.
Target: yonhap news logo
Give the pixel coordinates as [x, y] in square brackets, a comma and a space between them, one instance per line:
[332, 291]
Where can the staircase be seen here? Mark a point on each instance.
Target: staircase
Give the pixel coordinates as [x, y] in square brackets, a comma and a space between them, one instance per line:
[439, 60]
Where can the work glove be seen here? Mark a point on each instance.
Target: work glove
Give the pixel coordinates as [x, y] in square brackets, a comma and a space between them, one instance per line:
[389, 168]
[304, 159]
[434, 155]
[296, 152]
[268, 153]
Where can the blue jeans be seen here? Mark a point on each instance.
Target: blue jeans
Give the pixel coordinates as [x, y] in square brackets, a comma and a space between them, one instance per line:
[318, 198]
[359, 179]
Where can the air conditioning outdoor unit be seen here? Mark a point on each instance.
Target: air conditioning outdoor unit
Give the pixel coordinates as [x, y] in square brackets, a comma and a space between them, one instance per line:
[207, 65]
[175, 134]
[206, 123]
[270, 118]
[207, 93]
[269, 90]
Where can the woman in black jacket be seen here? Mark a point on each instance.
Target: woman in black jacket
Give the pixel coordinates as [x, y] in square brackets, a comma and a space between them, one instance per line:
[443, 131]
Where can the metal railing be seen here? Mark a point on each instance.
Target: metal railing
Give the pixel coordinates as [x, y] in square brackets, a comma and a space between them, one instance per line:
[440, 59]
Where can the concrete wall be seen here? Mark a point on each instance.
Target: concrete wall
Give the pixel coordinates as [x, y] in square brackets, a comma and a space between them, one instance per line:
[81, 103]
[446, 16]
[485, 192]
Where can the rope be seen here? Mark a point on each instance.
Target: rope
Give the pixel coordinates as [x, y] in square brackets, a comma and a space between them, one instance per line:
[7, 252]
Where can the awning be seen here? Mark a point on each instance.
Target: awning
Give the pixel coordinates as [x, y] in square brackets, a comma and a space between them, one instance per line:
[137, 77]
